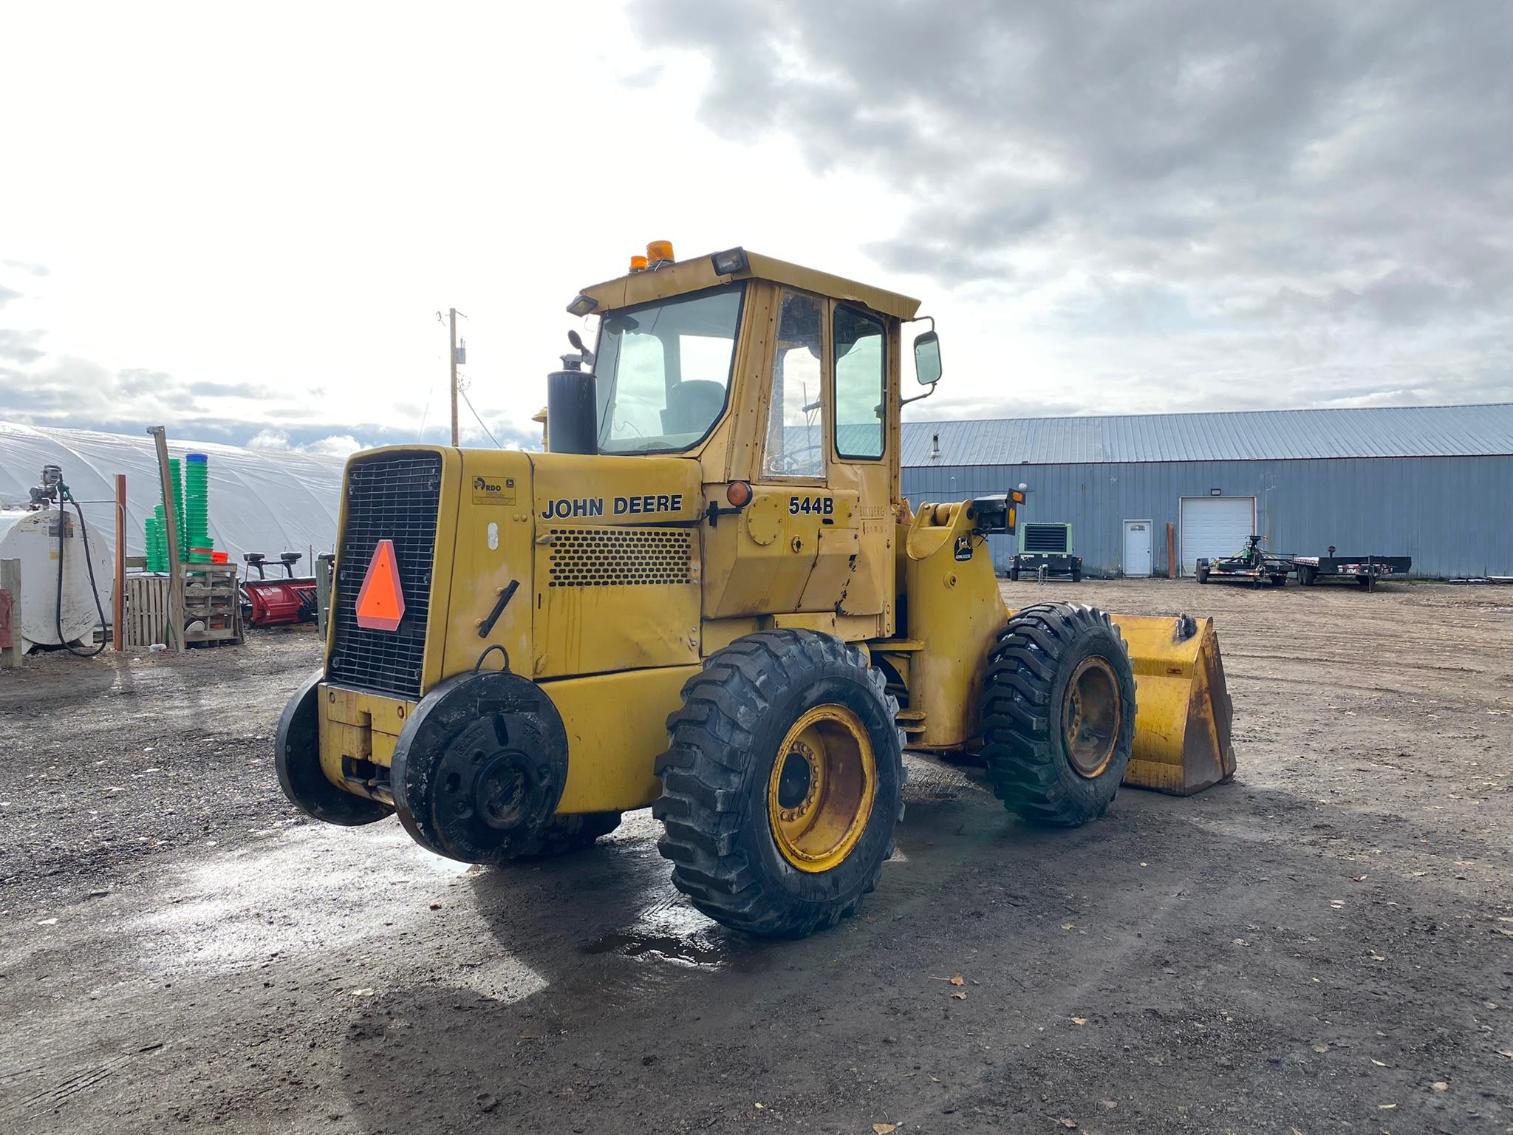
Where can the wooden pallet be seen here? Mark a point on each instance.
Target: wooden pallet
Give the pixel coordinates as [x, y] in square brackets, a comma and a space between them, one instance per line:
[211, 597]
[146, 612]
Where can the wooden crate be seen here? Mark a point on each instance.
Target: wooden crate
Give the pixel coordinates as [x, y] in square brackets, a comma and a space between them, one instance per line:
[211, 596]
[146, 617]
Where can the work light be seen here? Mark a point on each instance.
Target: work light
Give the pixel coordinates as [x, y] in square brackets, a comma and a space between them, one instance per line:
[729, 262]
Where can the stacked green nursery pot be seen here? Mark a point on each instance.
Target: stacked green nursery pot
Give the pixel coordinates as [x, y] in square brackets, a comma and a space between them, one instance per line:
[197, 509]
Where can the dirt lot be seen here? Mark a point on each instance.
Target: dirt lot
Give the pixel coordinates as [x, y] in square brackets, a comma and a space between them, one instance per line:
[1324, 945]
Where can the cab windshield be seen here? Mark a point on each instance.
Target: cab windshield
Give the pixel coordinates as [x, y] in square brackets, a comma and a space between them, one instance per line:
[663, 370]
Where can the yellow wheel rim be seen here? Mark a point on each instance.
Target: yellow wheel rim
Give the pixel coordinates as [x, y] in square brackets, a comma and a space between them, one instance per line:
[1090, 715]
[821, 788]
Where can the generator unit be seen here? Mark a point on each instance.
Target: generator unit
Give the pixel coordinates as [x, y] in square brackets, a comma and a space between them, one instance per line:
[1047, 548]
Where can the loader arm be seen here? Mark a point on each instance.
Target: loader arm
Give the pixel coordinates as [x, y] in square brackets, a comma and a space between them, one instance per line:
[956, 611]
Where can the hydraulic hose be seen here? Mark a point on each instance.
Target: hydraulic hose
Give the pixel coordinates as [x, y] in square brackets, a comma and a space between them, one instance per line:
[65, 495]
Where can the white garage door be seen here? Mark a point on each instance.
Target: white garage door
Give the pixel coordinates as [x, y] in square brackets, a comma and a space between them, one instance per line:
[1215, 526]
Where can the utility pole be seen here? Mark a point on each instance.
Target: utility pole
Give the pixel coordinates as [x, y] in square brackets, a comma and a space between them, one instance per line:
[452, 355]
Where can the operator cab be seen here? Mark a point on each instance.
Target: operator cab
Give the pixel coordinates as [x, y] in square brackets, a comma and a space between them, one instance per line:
[673, 337]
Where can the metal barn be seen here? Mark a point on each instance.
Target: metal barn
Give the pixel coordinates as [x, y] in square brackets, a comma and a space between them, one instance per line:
[1431, 482]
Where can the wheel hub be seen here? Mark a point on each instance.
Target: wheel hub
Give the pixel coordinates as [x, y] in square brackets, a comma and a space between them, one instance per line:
[798, 782]
[1090, 716]
[476, 785]
[821, 788]
[500, 792]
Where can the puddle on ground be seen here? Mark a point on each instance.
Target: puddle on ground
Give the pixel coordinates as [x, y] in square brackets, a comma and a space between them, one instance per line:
[692, 951]
[668, 930]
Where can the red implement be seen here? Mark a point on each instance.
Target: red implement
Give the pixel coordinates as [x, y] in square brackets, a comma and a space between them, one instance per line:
[279, 602]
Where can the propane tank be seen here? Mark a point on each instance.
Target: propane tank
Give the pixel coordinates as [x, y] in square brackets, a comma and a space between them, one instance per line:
[31, 536]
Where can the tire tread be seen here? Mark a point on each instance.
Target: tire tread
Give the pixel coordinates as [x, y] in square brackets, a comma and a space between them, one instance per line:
[703, 778]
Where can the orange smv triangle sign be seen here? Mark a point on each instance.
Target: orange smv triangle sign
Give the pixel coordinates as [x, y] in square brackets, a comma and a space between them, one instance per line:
[381, 602]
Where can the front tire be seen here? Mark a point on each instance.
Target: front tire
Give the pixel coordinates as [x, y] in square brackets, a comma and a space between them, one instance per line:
[782, 783]
[1202, 571]
[1058, 713]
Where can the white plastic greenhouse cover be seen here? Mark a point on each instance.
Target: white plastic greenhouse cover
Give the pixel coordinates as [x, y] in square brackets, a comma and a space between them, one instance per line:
[260, 501]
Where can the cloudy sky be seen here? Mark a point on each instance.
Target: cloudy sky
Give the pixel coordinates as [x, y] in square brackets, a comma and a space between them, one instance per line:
[242, 221]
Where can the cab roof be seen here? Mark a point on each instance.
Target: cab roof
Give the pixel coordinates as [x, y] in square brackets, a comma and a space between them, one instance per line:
[698, 273]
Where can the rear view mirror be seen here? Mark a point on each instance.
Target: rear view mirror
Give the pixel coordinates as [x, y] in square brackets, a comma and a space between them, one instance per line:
[927, 358]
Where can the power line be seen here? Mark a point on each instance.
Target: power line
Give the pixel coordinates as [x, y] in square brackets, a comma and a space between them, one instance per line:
[426, 413]
[479, 420]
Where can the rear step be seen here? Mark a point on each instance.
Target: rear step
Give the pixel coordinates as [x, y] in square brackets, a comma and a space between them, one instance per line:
[910, 720]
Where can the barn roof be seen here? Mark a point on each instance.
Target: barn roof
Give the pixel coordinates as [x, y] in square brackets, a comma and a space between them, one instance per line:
[1250, 435]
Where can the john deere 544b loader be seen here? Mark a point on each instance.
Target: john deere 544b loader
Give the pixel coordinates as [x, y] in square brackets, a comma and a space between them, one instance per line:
[709, 597]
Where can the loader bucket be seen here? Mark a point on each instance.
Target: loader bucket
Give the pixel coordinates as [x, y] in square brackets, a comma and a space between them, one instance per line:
[1182, 707]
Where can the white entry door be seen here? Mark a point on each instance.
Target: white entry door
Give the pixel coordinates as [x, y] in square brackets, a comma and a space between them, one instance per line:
[1137, 548]
[1214, 527]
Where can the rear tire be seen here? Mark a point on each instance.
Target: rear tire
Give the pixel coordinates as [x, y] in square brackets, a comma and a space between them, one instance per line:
[1077, 574]
[1058, 713]
[782, 783]
[565, 834]
[1202, 572]
[479, 769]
[1014, 574]
[296, 757]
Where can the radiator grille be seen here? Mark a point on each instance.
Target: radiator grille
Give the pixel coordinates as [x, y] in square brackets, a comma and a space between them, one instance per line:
[619, 557]
[1046, 537]
[391, 496]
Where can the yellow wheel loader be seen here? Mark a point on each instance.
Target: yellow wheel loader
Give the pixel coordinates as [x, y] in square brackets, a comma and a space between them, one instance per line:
[709, 596]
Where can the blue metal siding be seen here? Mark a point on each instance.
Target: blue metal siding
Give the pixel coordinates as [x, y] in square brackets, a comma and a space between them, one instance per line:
[1453, 515]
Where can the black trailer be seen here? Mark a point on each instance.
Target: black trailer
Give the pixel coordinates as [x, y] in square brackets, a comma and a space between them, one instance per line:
[1365, 571]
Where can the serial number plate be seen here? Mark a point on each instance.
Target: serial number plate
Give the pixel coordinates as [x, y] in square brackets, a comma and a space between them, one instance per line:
[812, 506]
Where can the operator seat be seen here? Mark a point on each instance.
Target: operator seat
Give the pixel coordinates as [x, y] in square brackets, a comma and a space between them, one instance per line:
[692, 406]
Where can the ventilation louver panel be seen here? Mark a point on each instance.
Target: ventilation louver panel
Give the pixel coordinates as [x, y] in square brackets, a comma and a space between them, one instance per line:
[1046, 537]
[619, 557]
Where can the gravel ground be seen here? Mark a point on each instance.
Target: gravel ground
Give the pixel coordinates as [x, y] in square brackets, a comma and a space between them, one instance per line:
[1324, 945]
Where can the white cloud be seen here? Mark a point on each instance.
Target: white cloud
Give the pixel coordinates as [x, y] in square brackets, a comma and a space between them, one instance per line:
[277, 441]
[269, 439]
[337, 445]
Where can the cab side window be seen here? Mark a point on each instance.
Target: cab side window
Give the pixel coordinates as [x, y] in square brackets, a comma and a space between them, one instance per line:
[860, 384]
[796, 417]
